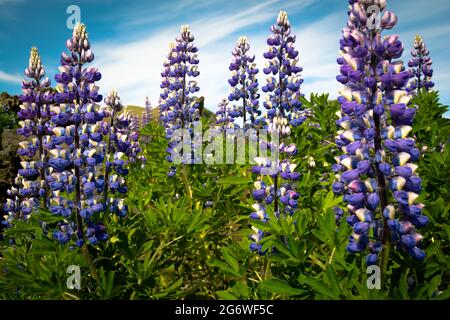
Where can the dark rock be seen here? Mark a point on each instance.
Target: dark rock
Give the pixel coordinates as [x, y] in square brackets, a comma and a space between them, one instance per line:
[9, 163]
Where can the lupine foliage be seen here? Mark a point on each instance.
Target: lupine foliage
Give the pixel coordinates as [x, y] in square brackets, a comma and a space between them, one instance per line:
[188, 235]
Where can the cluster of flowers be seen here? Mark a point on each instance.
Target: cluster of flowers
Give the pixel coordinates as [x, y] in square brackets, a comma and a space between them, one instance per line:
[34, 115]
[147, 115]
[225, 116]
[179, 109]
[244, 84]
[420, 67]
[66, 153]
[376, 172]
[284, 111]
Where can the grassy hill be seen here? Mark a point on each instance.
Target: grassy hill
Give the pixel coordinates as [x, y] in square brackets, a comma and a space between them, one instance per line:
[138, 110]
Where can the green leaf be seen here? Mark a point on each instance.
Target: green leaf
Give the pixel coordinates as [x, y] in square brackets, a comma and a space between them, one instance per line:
[445, 295]
[433, 285]
[403, 285]
[225, 295]
[317, 286]
[224, 267]
[332, 279]
[241, 290]
[234, 180]
[230, 259]
[280, 287]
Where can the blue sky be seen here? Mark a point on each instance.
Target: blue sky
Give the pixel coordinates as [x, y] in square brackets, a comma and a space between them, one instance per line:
[130, 39]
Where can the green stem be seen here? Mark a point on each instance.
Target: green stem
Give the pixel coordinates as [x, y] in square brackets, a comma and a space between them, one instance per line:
[90, 263]
[108, 154]
[384, 262]
[80, 229]
[382, 189]
[185, 179]
[266, 269]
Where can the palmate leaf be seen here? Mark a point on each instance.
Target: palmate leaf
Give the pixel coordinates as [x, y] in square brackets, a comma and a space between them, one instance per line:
[224, 267]
[318, 287]
[230, 259]
[235, 180]
[225, 295]
[281, 287]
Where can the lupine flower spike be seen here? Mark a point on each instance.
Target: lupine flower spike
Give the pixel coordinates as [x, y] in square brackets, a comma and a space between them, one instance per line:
[34, 118]
[147, 115]
[244, 84]
[376, 173]
[284, 112]
[420, 67]
[179, 109]
[224, 116]
[123, 149]
[77, 146]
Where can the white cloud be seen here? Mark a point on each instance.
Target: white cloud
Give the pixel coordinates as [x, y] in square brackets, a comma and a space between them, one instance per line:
[11, 78]
[134, 68]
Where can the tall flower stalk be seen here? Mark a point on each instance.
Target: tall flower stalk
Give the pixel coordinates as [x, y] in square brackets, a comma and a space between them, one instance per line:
[284, 111]
[420, 67]
[244, 84]
[34, 115]
[179, 109]
[376, 172]
[78, 148]
[147, 115]
[224, 116]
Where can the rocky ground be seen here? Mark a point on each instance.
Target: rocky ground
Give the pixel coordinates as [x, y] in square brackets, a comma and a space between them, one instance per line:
[9, 163]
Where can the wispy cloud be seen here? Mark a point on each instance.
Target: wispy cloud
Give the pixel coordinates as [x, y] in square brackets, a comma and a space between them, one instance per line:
[134, 67]
[10, 78]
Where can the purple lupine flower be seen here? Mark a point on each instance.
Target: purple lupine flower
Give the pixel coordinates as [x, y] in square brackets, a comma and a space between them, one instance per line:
[77, 147]
[224, 119]
[420, 67]
[147, 115]
[244, 83]
[283, 84]
[179, 109]
[284, 111]
[135, 122]
[377, 175]
[116, 154]
[34, 115]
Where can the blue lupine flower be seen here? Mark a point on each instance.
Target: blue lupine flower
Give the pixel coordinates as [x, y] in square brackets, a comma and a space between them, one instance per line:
[77, 140]
[284, 111]
[420, 67]
[244, 83]
[147, 115]
[123, 148]
[224, 117]
[179, 109]
[376, 171]
[34, 115]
